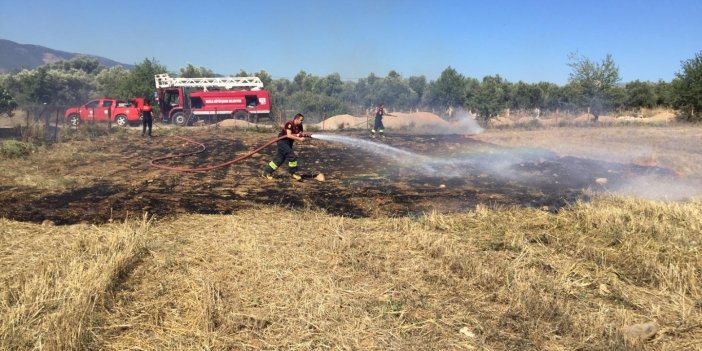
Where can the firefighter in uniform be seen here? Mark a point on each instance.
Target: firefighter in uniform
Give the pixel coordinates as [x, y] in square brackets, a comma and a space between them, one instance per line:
[146, 118]
[378, 126]
[293, 130]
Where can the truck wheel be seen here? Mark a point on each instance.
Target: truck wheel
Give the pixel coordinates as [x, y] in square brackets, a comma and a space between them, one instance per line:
[179, 119]
[74, 119]
[122, 120]
[242, 115]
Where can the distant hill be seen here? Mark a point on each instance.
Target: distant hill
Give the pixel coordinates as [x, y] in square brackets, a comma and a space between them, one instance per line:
[18, 56]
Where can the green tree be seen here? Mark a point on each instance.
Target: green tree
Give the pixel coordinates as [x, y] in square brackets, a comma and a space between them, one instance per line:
[617, 98]
[472, 87]
[315, 106]
[526, 96]
[82, 63]
[349, 96]
[7, 102]
[59, 83]
[298, 81]
[550, 95]
[191, 71]
[331, 85]
[395, 93]
[639, 94]
[492, 97]
[372, 78]
[31, 86]
[312, 95]
[50, 86]
[595, 82]
[371, 93]
[449, 90]
[569, 98]
[306, 82]
[112, 82]
[70, 87]
[419, 85]
[265, 78]
[664, 93]
[140, 80]
[394, 75]
[357, 94]
[687, 88]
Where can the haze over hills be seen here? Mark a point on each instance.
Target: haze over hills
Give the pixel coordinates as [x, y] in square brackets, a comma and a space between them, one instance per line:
[14, 56]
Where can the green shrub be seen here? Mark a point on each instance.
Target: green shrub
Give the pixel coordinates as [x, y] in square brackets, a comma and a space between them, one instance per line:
[121, 134]
[16, 149]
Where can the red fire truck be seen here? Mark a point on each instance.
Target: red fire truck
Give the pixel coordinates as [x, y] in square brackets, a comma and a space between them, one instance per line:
[183, 101]
[99, 110]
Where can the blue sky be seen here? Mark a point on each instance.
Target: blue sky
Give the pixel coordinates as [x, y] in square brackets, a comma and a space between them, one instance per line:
[525, 40]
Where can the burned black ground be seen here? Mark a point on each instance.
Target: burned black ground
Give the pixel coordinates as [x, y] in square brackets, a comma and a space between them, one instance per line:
[120, 183]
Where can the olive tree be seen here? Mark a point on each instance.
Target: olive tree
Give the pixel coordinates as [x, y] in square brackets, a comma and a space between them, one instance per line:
[419, 85]
[595, 82]
[687, 88]
[140, 80]
[44, 85]
[7, 102]
[191, 71]
[449, 90]
[639, 94]
[492, 97]
[112, 82]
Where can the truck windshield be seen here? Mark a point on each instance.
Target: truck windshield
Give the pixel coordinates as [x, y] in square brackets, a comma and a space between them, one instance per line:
[172, 98]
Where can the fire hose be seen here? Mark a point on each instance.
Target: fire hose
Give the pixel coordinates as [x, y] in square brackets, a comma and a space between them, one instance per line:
[203, 148]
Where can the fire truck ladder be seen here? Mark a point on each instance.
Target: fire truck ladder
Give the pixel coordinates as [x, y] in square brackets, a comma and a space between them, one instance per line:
[250, 83]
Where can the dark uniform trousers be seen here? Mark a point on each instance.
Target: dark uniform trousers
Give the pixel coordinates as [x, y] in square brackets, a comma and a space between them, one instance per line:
[378, 126]
[285, 153]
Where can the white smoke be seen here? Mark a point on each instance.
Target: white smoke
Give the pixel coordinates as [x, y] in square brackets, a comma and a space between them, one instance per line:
[496, 163]
[506, 164]
[462, 122]
[660, 188]
[467, 121]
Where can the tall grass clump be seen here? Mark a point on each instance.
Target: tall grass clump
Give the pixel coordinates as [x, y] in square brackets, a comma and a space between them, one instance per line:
[54, 277]
[84, 131]
[16, 149]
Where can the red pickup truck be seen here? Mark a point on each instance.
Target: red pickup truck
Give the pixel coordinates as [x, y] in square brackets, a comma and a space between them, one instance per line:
[121, 112]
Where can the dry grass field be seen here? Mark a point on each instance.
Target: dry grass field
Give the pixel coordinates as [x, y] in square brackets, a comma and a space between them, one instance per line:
[271, 278]
[673, 146]
[607, 272]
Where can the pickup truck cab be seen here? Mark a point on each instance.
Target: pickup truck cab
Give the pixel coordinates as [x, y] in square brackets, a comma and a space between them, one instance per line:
[121, 112]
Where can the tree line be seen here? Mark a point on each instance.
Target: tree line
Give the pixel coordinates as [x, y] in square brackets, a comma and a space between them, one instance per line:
[593, 86]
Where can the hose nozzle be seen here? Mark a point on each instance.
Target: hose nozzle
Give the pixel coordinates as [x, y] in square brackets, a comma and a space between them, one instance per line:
[304, 135]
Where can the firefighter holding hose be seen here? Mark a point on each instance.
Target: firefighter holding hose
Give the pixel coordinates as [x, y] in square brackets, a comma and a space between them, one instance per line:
[293, 130]
[378, 126]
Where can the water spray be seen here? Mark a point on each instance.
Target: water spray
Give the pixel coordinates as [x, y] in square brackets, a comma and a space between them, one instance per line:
[497, 163]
